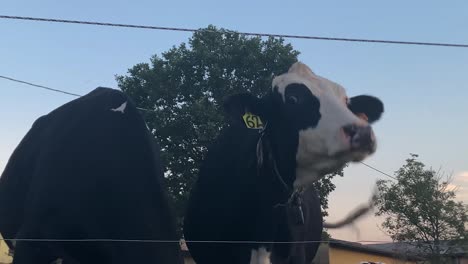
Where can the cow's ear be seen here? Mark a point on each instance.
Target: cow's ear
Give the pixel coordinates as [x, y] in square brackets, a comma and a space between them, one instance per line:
[368, 106]
[243, 107]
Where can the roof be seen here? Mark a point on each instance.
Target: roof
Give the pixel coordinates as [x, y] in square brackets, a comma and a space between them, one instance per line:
[447, 247]
[372, 249]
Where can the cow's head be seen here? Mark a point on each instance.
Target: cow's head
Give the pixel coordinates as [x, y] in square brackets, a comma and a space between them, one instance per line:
[315, 118]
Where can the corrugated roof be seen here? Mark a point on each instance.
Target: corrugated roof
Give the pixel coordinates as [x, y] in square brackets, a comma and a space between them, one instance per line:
[373, 250]
[448, 247]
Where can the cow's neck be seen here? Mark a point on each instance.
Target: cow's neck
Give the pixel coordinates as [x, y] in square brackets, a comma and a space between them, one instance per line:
[284, 144]
[307, 175]
[283, 151]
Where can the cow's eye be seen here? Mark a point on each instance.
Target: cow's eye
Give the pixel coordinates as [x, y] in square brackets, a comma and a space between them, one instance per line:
[292, 100]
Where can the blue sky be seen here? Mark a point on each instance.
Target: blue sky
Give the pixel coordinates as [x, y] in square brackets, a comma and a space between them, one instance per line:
[424, 89]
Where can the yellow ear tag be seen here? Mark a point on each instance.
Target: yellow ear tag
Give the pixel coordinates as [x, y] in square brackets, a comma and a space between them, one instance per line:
[252, 121]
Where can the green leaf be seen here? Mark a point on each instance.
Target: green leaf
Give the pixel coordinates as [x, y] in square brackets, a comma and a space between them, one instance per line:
[419, 208]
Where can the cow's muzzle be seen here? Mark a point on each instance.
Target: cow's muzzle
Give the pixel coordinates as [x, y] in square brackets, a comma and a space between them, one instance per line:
[361, 137]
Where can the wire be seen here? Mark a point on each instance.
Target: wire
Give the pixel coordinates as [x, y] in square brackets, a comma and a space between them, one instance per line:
[180, 241]
[363, 243]
[56, 90]
[39, 86]
[242, 33]
[377, 170]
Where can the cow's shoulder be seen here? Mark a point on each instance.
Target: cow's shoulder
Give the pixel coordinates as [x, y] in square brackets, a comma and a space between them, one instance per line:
[103, 94]
[235, 148]
[99, 99]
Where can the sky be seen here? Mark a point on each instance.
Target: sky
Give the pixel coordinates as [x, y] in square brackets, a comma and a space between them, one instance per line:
[424, 89]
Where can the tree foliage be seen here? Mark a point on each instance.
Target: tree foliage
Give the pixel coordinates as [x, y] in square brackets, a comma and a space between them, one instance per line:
[185, 87]
[420, 207]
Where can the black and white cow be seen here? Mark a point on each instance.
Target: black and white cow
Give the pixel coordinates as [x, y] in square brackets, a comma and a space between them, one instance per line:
[88, 170]
[255, 185]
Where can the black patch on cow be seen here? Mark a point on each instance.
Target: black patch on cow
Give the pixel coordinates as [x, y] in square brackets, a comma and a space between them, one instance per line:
[86, 172]
[288, 230]
[368, 105]
[301, 107]
[236, 106]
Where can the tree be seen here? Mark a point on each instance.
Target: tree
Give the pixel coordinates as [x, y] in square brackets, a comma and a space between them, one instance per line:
[185, 87]
[420, 208]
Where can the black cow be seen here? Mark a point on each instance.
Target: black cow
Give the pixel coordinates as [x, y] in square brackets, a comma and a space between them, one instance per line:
[254, 184]
[88, 170]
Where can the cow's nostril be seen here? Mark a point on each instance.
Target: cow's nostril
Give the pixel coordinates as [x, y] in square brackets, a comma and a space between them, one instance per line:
[360, 137]
[350, 130]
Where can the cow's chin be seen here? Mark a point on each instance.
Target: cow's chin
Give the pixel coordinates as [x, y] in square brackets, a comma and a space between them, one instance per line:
[355, 155]
[352, 155]
[312, 166]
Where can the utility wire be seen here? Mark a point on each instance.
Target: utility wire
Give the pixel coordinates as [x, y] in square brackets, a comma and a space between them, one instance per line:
[364, 243]
[55, 90]
[377, 170]
[39, 86]
[177, 241]
[37, 19]
[371, 244]
[143, 109]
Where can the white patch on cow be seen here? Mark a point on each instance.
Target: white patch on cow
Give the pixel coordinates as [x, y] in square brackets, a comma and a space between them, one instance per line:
[296, 74]
[121, 108]
[260, 256]
[308, 174]
[319, 146]
[305, 176]
[264, 256]
[253, 257]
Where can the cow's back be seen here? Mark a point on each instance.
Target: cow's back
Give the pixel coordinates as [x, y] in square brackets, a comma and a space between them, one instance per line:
[95, 173]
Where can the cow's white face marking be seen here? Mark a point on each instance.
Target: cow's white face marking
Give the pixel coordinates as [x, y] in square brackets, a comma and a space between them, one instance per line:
[260, 256]
[121, 108]
[320, 146]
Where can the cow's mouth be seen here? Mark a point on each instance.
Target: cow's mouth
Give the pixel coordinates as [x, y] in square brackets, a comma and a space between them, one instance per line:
[355, 154]
[350, 154]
